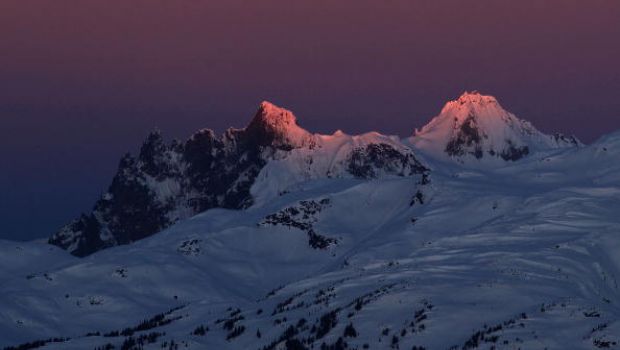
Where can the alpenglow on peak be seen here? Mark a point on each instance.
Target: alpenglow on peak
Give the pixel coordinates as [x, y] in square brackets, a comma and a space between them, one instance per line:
[275, 125]
[475, 127]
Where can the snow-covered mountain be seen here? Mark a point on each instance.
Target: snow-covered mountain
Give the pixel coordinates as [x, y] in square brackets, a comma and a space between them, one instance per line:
[476, 127]
[272, 155]
[343, 242]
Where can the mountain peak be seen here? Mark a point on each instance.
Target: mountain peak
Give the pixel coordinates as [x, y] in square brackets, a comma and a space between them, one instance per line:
[272, 114]
[474, 104]
[273, 117]
[276, 126]
[476, 126]
[475, 97]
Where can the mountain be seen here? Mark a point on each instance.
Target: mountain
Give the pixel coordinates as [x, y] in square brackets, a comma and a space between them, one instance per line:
[271, 237]
[476, 127]
[167, 183]
[523, 254]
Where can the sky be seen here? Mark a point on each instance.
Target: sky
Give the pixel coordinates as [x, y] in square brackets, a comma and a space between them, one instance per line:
[84, 81]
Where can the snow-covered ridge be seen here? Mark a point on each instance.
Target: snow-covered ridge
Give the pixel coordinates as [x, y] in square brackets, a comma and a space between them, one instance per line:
[367, 156]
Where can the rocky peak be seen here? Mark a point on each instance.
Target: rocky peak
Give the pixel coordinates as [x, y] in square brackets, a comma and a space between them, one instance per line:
[274, 117]
[277, 127]
[152, 153]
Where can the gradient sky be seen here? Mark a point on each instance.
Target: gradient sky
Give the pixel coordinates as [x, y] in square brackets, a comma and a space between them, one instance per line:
[83, 81]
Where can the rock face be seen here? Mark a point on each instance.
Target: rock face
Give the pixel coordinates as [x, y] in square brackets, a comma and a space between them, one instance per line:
[365, 162]
[166, 183]
[276, 127]
[476, 127]
[303, 216]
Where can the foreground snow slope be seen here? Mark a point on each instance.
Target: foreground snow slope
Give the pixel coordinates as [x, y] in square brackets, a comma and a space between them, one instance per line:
[523, 255]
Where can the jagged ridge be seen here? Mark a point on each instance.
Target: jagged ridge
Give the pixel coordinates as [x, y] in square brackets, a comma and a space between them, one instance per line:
[166, 183]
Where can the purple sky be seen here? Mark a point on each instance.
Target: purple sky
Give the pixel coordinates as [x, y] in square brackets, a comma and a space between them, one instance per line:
[83, 81]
